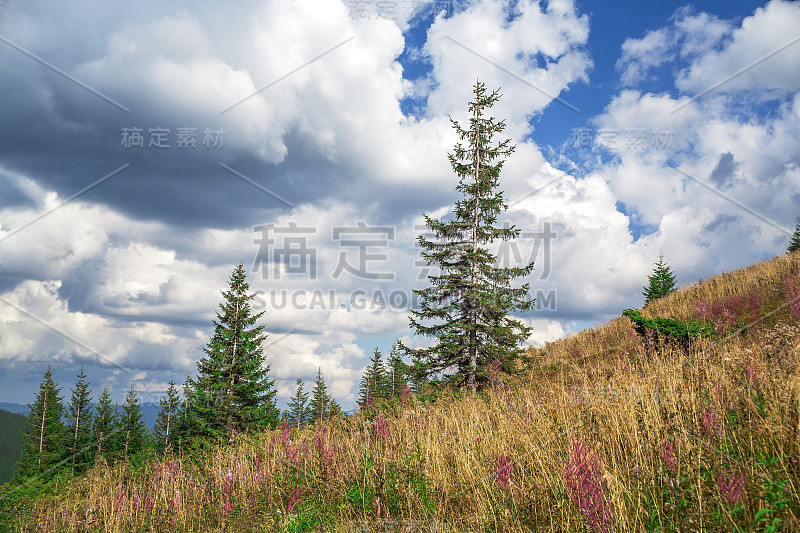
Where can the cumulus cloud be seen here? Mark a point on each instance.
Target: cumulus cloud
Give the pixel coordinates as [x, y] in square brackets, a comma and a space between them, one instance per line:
[310, 100]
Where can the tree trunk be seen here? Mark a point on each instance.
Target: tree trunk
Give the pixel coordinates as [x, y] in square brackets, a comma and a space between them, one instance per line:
[41, 430]
[473, 334]
[233, 362]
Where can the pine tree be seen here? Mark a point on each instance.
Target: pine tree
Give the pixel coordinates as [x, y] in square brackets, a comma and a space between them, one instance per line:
[184, 428]
[373, 382]
[166, 427]
[133, 431]
[105, 428]
[418, 376]
[322, 406]
[46, 434]
[661, 282]
[794, 245]
[232, 389]
[79, 425]
[298, 413]
[470, 300]
[396, 371]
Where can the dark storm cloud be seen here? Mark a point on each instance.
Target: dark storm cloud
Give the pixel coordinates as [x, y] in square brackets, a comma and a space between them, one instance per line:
[65, 136]
[11, 195]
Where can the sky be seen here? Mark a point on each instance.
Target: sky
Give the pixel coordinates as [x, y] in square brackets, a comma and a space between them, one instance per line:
[147, 148]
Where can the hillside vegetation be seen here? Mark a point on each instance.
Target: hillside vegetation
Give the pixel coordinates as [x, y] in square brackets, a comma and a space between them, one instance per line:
[11, 427]
[606, 430]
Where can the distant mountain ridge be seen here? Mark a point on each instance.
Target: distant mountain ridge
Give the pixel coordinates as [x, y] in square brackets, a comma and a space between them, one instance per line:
[11, 443]
[149, 410]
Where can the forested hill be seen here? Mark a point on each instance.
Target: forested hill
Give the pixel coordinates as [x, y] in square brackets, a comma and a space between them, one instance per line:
[11, 427]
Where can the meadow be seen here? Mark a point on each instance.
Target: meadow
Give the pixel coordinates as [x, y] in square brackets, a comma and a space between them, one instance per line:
[605, 430]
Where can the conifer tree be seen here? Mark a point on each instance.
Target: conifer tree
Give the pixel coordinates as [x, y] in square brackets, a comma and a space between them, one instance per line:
[418, 376]
[660, 282]
[322, 406]
[166, 427]
[105, 428]
[373, 381]
[232, 389]
[298, 413]
[79, 425]
[396, 372]
[46, 434]
[133, 430]
[470, 300]
[794, 245]
[184, 428]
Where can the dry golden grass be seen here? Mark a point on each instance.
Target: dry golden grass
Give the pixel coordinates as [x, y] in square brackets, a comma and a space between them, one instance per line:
[437, 469]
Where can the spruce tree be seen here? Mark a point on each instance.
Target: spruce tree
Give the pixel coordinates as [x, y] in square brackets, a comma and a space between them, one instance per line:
[105, 428]
[418, 376]
[373, 381]
[794, 245]
[468, 304]
[46, 435]
[79, 425]
[322, 406]
[396, 372]
[133, 430]
[232, 389]
[167, 425]
[299, 412]
[660, 282]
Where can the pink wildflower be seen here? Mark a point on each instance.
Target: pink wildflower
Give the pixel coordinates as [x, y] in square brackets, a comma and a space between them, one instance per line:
[404, 394]
[702, 309]
[382, 427]
[753, 307]
[709, 420]
[730, 487]
[228, 492]
[119, 500]
[286, 433]
[326, 452]
[176, 500]
[667, 452]
[136, 500]
[495, 377]
[586, 486]
[751, 375]
[503, 472]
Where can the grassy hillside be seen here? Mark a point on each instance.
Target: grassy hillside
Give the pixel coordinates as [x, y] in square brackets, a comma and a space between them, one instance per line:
[605, 430]
[11, 427]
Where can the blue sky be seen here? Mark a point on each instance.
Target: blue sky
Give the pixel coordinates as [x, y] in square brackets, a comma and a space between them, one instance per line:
[640, 128]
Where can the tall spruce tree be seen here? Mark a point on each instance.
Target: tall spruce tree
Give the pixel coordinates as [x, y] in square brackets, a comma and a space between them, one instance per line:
[133, 430]
[79, 425]
[232, 389]
[396, 371]
[322, 405]
[661, 282]
[167, 425]
[299, 412]
[373, 385]
[105, 428]
[46, 434]
[794, 245]
[471, 300]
